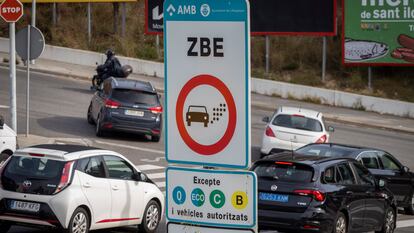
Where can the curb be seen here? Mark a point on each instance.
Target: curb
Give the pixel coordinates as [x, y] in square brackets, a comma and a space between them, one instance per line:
[263, 107]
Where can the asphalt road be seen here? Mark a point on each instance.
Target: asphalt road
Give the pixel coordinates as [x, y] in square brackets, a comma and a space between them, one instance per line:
[58, 111]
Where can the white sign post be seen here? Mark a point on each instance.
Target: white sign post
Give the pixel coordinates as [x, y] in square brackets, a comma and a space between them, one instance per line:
[207, 55]
[212, 197]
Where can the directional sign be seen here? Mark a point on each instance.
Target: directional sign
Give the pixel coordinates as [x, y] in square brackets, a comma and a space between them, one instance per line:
[154, 16]
[37, 43]
[207, 55]
[212, 197]
[11, 10]
[180, 228]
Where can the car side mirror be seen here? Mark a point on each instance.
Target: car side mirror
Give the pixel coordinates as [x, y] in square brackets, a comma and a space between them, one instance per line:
[266, 119]
[136, 176]
[331, 129]
[382, 183]
[1, 122]
[405, 169]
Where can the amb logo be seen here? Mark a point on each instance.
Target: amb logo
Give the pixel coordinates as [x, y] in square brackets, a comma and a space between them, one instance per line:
[182, 10]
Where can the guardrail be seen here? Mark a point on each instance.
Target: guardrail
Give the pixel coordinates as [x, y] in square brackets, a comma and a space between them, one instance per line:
[261, 86]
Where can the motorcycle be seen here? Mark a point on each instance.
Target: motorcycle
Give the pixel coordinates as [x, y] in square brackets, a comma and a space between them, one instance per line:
[98, 78]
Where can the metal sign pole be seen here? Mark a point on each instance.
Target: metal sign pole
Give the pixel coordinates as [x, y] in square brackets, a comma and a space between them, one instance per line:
[28, 82]
[34, 13]
[12, 63]
[89, 22]
[157, 45]
[123, 23]
[370, 78]
[54, 15]
[267, 54]
[324, 59]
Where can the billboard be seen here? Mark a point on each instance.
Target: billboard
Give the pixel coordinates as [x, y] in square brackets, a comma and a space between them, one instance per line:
[293, 17]
[270, 17]
[378, 33]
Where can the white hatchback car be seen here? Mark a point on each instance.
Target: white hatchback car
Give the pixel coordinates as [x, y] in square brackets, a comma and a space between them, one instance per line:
[291, 128]
[76, 189]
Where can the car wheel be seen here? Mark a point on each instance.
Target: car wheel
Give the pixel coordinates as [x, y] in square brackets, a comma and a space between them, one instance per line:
[98, 128]
[151, 219]
[4, 226]
[341, 225]
[205, 124]
[188, 123]
[155, 138]
[410, 209]
[89, 116]
[389, 223]
[79, 223]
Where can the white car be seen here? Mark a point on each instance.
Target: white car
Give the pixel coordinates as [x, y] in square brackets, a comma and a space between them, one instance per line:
[76, 189]
[291, 128]
[7, 140]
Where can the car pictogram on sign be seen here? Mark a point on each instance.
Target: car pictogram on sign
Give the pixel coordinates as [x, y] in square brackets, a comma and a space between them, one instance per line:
[197, 114]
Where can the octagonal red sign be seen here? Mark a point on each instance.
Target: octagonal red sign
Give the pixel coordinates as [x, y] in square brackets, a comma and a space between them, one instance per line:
[11, 10]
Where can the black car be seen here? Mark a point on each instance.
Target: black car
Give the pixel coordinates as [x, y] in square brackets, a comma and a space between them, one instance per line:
[380, 163]
[319, 194]
[126, 105]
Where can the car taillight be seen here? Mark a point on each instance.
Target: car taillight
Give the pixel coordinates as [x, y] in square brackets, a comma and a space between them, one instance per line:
[322, 139]
[2, 166]
[65, 177]
[155, 110]
[111, 104]
[269, 132]
[316, 194]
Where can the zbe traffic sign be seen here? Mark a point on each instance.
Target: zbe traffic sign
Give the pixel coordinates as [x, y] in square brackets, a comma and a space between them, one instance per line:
[207, 55]
[11, 10]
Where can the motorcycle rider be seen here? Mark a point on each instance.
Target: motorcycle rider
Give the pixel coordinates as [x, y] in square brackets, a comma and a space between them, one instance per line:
[112, 66]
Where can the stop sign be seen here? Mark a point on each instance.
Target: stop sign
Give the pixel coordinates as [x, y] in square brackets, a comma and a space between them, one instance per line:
[11, 10]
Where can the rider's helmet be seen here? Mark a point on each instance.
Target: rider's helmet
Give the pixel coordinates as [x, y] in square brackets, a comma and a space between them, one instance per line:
[109, 53]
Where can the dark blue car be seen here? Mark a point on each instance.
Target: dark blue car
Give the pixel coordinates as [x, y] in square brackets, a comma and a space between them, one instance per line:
[126, 105]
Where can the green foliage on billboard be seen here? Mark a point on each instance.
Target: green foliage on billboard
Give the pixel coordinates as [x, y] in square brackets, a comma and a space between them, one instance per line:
[378, 32]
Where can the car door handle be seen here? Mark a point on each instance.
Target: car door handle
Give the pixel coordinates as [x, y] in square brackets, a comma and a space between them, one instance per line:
[86, 185]
[349, 193]
[114, 187]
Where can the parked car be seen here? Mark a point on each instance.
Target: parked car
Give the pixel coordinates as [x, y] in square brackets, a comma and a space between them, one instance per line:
[290, 128]
[319, 194]
[126, 105]
[8, 140]
[380, 163]
[76, 189]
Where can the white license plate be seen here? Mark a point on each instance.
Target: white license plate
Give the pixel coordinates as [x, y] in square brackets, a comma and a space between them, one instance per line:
[134, 113]
[25, 206]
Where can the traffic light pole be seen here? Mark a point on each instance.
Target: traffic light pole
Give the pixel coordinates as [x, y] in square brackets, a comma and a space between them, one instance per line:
[12, 63]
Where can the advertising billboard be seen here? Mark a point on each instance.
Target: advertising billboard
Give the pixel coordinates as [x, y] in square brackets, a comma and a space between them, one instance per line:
[378, 33]
[154, 17]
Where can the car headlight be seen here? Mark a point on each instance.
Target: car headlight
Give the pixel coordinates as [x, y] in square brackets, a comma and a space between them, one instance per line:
[189, 117]
[205, 118]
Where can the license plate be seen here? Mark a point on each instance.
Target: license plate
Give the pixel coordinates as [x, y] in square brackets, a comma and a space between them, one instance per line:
[25, 206]
[273, 197]
[134, 113]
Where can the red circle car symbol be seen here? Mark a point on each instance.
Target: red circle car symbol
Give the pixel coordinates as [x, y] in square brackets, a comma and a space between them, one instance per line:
[210, 80]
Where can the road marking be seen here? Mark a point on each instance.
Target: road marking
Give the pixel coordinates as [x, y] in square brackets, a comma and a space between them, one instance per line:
[160, 184]
[147, 167]
[131, 147]
[4, 106]
[405, 223]
[156, 175]
[153, 160]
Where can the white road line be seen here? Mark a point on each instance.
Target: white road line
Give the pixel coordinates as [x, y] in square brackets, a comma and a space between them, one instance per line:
[156, 175]
[148, 167]
[4, 106]
[160, 184]
[131, 147]
[405, 223]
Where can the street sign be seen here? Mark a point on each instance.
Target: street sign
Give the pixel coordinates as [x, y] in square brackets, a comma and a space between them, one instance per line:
[154, 16]
[37, 43]
[11, 10]
[207, 63]
[180, 228]
[212, 197]
[378, 33]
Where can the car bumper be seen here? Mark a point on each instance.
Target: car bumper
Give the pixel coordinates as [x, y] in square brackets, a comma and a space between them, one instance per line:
[309, 221]
[271, 145]
[132, 126]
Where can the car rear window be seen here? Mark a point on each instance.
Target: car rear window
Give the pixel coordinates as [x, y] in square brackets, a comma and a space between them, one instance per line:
[325, 150]
[296, 173]
[135, 96]
[297, 122]
[34, 168]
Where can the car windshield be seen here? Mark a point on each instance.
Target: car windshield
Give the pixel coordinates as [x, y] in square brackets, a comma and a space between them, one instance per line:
[197, 109]
[135, 96]
[297, 122]
[294, 173]
[325, 150]
[34, 168]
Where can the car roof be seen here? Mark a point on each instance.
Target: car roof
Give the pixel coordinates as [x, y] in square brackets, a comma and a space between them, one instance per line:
[123, 83]
[302, 159]
[300, 111]
[356, 150]
[63, 152]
